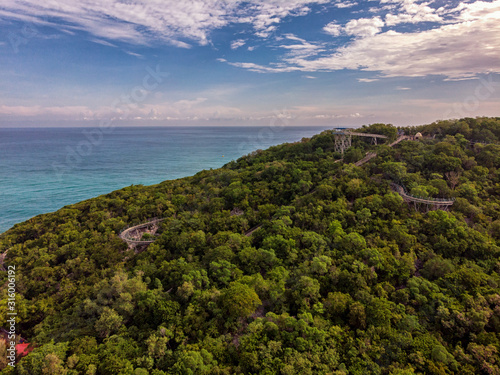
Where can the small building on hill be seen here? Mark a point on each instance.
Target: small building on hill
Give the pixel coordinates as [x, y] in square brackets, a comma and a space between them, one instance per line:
[22, 347]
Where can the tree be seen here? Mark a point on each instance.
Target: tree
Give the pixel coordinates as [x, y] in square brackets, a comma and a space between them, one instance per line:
[109, 322]
[352, 155]
[48, 359]
[341, 277]
[355, 188]
[337, 304]
[306, 291]
[53, 365]
[396, 171]
[353, 242]
[194, 362]
[240, 300]
[453, 178]
[357, 315]
[383, 129]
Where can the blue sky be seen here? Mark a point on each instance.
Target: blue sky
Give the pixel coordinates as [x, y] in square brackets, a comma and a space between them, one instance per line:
[214, 62]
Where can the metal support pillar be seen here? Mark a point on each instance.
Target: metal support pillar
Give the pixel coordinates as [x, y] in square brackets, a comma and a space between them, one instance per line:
[342, 142]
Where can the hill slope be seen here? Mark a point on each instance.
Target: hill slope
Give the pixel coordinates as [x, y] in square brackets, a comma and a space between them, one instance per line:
[341, 276]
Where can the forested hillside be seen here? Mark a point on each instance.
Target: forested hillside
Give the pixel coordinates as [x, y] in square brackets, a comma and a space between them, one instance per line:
[325, 271]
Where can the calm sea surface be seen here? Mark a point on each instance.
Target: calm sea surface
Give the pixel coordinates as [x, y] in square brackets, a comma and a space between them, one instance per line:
[43, 169]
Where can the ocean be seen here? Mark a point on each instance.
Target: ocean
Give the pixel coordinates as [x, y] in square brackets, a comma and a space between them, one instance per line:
[44, 169]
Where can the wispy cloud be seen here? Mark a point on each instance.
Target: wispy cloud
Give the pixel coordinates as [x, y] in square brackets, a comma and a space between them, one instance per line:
[300, 48]
[186, 109]
[134, 54]
[37, 111]
[345, 4]
[104, 43]
[235, 44]
[463, 43]
[187, 104]
[139, 21]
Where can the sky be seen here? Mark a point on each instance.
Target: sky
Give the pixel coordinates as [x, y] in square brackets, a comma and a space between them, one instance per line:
[214, 62]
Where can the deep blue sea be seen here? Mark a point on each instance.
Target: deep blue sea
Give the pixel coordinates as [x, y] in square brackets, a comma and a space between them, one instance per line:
[44, 169]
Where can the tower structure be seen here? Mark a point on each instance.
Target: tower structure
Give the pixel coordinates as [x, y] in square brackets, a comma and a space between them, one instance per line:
[343, 140]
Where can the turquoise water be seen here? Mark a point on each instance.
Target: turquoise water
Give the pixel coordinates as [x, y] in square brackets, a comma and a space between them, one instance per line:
[43, 169]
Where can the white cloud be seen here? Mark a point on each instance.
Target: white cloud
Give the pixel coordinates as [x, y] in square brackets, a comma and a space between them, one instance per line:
[134, 54]
[235, 44]
[345, 4]
[104, 43]
[265, 32]
[187, 104]
[336, 116]
[460, 41]
[302, 48]
[479, 10]
[37, 111]
[412, 12]
[464, 45]
[364, 26]
[253, 67]
[333, 28]
[187, 109]
[451, 50]
[361, 27]
[368, 80]
[138, 21]
[310, 77]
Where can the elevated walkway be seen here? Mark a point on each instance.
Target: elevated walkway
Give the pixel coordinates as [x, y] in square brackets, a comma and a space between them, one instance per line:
[436, 202]
[400, 138]
[371, 155]
[343, 138]
[132, 235]
[368, 156]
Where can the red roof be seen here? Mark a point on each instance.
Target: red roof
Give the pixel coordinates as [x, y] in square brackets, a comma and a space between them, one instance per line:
[23, 349]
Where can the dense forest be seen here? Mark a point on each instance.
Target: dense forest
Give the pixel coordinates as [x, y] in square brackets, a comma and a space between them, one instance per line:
[285, 261]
